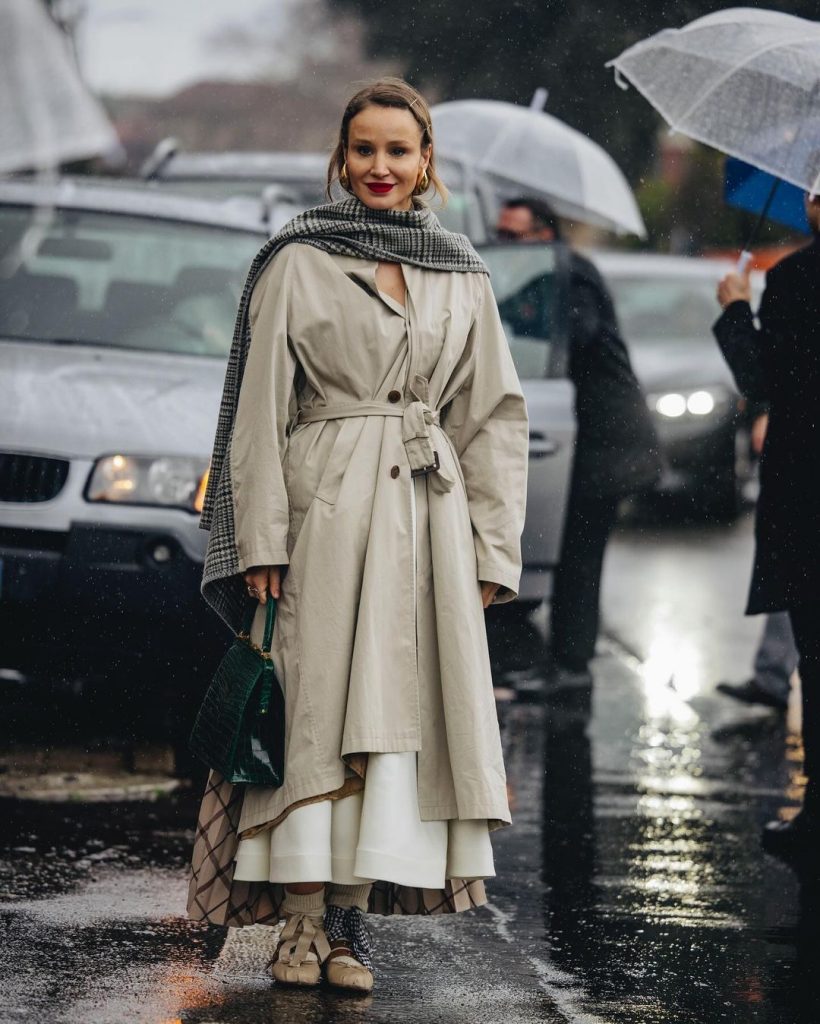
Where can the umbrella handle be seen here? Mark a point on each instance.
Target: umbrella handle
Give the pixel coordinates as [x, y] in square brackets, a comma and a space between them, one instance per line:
[743, 262]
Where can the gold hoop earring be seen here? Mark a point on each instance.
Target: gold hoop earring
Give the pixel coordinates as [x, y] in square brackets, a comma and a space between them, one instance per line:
[422, 184]
[344, 177]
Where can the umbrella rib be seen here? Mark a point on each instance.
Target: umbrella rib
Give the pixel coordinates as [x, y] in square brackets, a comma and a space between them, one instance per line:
[728, 74]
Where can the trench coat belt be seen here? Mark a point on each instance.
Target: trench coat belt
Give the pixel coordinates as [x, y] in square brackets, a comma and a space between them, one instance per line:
[416, 417]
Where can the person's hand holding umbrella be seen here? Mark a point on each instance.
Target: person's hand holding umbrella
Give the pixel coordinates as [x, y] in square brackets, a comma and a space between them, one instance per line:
[735, 287]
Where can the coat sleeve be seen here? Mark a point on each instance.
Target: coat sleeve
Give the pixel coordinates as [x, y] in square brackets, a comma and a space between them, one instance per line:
[266, 402]
[487, 423]
[748, 350]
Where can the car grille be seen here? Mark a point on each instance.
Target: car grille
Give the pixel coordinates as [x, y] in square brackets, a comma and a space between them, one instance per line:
[29, 478]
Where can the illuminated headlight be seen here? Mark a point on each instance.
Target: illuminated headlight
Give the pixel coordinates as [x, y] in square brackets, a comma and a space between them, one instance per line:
[700, 403]
[675, 404]
[672, 405]
[170, 480]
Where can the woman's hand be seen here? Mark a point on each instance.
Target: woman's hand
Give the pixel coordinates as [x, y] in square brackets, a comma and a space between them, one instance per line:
[488, 592]
[264, 581]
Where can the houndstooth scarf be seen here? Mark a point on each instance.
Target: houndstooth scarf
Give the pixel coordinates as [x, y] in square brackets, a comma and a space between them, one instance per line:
[348, 228]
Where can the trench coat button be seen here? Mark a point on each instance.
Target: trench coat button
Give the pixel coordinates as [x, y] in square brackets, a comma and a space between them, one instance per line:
[394, 472]
[394, 396]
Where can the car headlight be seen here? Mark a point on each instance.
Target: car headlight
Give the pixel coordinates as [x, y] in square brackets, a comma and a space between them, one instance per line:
[176, 481]
[700, 402]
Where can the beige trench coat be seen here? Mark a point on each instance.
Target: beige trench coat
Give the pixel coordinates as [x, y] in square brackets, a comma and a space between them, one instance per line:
[378, 650]
[378, 646]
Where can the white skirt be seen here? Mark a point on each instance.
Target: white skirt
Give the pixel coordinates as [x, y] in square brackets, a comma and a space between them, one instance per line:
[376, 833]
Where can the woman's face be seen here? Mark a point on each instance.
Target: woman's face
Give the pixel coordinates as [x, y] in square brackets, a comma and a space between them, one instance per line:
[384, 157]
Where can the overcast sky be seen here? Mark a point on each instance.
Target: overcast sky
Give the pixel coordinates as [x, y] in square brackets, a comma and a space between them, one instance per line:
[157, 46]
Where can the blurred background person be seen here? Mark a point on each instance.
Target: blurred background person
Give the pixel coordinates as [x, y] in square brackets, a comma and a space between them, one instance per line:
[616, 449]
[779, 363]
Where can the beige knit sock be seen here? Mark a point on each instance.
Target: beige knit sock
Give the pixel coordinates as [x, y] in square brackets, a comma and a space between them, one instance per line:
[349, 895]
[311, 903]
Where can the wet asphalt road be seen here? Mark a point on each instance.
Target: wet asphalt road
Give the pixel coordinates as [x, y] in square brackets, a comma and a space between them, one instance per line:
[631, 888]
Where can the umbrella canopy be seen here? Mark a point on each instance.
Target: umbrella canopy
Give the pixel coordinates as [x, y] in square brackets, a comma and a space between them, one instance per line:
[747, 188]
[745, 81]
[526, 150]
[47, 116]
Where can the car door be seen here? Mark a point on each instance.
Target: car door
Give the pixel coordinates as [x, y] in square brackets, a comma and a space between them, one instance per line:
[530, 282]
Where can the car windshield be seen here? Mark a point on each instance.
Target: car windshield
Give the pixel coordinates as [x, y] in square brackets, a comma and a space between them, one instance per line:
[659, 309]
[523, 280]
[121, 281]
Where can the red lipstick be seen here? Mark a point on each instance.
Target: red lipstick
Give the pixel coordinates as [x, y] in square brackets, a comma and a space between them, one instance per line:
[381, 188]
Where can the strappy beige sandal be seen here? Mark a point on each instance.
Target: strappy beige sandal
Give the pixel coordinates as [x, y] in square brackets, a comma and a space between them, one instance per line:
[302, 949]
[348, 964]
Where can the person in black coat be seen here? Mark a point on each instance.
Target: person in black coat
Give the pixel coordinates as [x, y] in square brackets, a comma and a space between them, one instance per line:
[616, 448]
[779, 363]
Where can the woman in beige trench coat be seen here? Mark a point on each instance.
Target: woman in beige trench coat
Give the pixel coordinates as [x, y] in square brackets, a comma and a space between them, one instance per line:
[377, 474]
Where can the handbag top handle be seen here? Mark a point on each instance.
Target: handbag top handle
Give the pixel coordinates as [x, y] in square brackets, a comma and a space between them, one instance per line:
[270, 618]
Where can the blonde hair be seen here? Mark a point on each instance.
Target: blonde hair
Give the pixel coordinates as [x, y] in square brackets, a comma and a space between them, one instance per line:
[387, 92]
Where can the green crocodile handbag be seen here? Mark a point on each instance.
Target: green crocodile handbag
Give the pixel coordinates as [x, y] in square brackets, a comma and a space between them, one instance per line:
[240, 728]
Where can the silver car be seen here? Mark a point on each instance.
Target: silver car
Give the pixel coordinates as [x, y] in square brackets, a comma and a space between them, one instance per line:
[116, 314]
[116, 311]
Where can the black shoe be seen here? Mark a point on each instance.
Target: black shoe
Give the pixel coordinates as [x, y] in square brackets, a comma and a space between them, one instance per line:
[751, 692]
[796, 840]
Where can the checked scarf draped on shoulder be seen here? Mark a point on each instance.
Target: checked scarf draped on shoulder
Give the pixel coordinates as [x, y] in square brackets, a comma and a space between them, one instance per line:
[348, 228]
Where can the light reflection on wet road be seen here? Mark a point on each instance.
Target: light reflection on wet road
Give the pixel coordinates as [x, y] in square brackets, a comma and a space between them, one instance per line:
[631, 889]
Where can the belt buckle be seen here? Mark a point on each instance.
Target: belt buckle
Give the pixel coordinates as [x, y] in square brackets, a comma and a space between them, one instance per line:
[434, 467]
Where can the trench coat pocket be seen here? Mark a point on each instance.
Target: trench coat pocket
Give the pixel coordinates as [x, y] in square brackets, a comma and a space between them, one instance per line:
[339, 459]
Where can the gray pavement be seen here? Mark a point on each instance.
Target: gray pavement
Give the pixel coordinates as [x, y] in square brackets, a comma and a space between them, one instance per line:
[631, 888]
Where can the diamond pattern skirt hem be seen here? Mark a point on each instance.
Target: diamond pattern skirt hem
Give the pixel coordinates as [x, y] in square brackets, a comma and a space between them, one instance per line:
[216, 897]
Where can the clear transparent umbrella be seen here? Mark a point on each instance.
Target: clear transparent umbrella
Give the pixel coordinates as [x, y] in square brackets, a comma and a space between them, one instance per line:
[47, 116]
[742, 80]
[530, 151]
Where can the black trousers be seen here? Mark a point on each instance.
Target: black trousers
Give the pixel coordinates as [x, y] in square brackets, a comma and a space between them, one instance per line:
[577, 582]
[806, 625]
